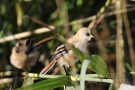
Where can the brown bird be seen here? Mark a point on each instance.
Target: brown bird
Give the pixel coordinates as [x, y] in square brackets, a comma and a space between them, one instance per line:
[25, 53]
[66, 57]
[24, 56]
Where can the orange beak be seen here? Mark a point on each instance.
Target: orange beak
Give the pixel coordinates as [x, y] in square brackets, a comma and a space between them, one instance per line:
[91, 36]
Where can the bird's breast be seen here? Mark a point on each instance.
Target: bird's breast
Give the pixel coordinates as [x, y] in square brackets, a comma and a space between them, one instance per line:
[81, 46]
[18, 60]
[67, 59]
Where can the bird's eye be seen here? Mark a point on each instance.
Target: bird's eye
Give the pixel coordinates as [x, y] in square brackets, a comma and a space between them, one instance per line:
[87, 34]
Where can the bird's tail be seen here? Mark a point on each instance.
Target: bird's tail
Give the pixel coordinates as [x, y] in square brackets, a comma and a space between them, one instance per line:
[48, 67]
[30, 45]
[15, 80]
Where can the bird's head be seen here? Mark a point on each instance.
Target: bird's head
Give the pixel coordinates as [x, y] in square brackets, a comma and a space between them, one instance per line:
[25, 46]
[84, 34]
[20, 46]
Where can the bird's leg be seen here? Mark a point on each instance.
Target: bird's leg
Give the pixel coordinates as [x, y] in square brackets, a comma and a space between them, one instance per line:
[65, 70]
[69, 68]
[27, 71]
[73, 72]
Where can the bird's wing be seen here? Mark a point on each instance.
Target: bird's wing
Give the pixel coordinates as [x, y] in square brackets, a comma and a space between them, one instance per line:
[60, 51]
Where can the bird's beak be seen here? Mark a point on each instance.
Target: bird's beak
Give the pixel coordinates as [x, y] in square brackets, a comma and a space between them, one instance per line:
[91, 36]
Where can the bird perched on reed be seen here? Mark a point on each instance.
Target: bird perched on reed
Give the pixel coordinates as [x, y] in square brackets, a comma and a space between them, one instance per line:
[25, 53]
[66, 57]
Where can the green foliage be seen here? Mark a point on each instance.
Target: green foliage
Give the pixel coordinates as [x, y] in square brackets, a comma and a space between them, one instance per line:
[68, 16]
[96, 64]
[27, 80]
[69, 87]
[80, 55]
[1, 33]
[84, 77]
[48, 84]
[83, 72]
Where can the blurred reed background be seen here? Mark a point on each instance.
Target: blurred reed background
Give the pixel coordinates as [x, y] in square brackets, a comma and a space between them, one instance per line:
[114, 33]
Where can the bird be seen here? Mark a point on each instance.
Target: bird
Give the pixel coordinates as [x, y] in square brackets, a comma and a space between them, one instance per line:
[64, 56]
[25, 53]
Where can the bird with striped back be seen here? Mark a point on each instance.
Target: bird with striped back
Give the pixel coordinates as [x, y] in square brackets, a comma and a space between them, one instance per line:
[64, 56]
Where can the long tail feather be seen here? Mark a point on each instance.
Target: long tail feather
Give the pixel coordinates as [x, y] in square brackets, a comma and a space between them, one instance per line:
[30, 45]
[15, 80]
[48, 67]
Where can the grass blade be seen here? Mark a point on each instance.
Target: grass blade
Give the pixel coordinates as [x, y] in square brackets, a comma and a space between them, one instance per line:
[48, 84]
[98, 65]
[83, 72]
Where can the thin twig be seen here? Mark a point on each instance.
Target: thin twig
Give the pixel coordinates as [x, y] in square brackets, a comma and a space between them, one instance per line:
[101, 11]
[25, 34]
[84, 20]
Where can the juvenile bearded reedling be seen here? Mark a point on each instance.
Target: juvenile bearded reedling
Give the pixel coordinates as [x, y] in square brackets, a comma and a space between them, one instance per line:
[25, 53]
[64, 56]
